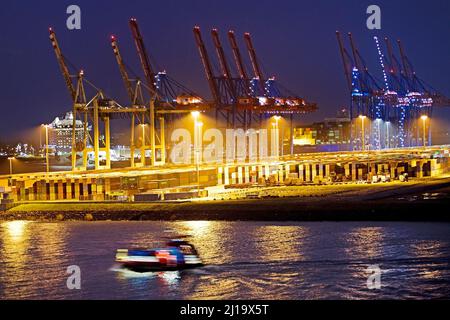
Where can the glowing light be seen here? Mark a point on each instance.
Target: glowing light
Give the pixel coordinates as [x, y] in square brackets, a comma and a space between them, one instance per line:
[171, 278]
[263, 100]
[381, 57]
[196, 225]
[365, 242]
[197, 228]
[16, 229]
[195, 114]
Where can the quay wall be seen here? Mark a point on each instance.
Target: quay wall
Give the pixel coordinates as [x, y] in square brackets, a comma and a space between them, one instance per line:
[104, 186]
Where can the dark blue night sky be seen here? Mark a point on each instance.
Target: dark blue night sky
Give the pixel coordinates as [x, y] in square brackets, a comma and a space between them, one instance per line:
[294, 39]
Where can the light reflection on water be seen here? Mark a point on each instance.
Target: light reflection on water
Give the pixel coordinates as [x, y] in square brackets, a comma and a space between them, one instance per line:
[280, 242]
[365, 243]
[244, 260]
[23, 246]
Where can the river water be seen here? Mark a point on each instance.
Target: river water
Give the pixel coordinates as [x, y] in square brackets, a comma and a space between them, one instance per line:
[244, 260]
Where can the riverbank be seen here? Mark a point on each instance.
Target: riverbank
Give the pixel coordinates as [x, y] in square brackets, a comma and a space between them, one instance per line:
[422, 200]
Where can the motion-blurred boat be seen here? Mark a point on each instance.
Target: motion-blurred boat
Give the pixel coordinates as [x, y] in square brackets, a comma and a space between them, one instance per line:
[177, 255]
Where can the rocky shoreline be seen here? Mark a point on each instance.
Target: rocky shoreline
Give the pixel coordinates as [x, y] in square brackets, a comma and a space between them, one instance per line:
[271, 210]
[425, 201]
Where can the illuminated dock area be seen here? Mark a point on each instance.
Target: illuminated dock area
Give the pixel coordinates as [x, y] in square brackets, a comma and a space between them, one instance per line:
[303, 169]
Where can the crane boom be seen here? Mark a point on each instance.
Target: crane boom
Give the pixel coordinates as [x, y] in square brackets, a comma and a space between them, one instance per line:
[143, 55]
[406, 69]
[237, 56]
[392, 66]
[220, 54]
[223, 61]
[394, 69]
[253, 57]
[63, 65]
[367, 81]
[344, 60]
[206, 64]
[355, 53]
[122, 69]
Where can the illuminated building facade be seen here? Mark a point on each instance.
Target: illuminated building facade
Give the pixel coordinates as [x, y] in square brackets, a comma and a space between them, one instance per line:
[331, 131]
[60, 133]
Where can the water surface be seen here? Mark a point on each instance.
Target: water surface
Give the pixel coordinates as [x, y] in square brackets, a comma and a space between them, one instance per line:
[245, 260]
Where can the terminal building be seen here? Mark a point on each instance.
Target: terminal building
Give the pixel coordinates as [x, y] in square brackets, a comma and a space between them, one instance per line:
[327, 134]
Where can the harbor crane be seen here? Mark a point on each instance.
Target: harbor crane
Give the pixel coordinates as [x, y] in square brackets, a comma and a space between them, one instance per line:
[394, 105]
[238, 100]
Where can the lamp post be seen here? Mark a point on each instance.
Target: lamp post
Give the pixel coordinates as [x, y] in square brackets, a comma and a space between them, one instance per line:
[363, 140]
[277, 135]
[424, 125]
[47, 162]
[274, 144]
[388, 140]
[197, 126]
[143, 144]
[40, 139]
[143, 134]
[378, 121]
[10, 165]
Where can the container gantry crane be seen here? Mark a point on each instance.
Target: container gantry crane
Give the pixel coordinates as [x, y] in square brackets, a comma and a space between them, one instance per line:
[137, 100]
[143, 56]
[366, 96]
[63, 66]
[226, 76]
[239, 99]
[258, 80]
[395, 106]
[83, 109]
[243, 84]
[133, 86]
[168, 97]
[220, 102]
[166, 91]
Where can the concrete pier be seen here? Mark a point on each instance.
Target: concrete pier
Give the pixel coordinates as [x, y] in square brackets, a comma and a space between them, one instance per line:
[110, 184]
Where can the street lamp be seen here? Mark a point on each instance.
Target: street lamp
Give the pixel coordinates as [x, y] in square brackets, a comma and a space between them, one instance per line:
[143, 134]
[40, 139]
[47, 162]
[10, 165]
[387, 135]
[378, 122]
[277, 135]
[424, 125]
[195, 115]
[197, 128]
[363, 140]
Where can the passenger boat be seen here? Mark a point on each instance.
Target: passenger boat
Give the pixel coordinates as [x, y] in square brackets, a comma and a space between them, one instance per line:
[177, 255]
